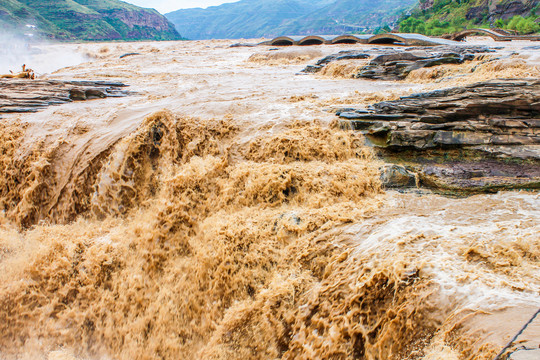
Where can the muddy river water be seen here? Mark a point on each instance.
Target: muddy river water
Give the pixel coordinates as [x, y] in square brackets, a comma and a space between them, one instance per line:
[218, 212]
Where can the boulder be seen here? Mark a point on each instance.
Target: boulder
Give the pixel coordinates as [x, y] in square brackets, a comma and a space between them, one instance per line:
[77, 94]
[397, 176]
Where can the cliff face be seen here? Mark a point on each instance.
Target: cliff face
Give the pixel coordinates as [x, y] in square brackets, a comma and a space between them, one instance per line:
[85, 20]
[497, 9]
[483, 9]
[439, 17]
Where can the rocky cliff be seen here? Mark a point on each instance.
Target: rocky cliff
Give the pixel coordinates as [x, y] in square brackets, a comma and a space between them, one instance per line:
[439, 17]
[493, 10]
[84, 20]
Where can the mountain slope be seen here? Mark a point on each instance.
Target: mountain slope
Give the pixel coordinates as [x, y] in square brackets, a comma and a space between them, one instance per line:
[85, 20]
[349, 16]
[439, 17]
[269, 18]
[246, 18]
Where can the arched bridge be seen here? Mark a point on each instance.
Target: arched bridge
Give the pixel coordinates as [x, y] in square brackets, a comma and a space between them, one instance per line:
[408, 40]
[390, 38]
[495, 34]
[395, 38]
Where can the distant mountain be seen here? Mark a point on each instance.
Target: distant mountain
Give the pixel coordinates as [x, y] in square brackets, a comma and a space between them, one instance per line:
[345, 16]
[439, 17]
[269, 18]
[85, 20]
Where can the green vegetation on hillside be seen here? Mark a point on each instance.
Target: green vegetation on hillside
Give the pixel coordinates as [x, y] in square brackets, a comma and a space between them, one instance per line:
[441, 17]
[84, 20]
[520, 24]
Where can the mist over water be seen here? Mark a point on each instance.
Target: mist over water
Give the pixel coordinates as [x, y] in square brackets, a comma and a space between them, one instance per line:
[42, 56]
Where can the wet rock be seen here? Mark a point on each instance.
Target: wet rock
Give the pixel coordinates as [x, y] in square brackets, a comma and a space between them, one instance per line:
[498, 112]
[343, 55]
[481, 137]
[397, 66]
[95, 94]
[24, 95]
[242, 45]
[77, 94]
[311, 69]
[478, 174]
[346, 55]
[396, 176]
[129, 54]
[393, 64]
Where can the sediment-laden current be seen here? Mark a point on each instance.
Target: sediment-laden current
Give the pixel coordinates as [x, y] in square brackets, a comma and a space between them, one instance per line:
[220, 212]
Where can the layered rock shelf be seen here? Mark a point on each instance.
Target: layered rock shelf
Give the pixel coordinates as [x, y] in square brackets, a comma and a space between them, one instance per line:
[26, 95]
[390, 64]
[480, 137]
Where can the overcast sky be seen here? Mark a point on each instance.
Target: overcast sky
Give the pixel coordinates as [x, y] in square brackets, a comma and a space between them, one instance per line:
[165, 6]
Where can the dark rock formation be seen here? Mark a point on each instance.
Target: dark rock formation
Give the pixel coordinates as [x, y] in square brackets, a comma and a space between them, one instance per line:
[23, 95]
[242, 45]
[500, 112]
[342, 55]
[129, 54]
[484, 136]
[398, 65]
[391, 64]
[396, 176]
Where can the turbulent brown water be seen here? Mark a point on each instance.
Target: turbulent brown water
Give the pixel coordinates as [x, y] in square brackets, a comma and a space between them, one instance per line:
[219, 214]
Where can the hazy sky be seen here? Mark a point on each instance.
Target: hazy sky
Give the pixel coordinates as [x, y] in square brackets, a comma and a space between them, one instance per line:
[165, 6]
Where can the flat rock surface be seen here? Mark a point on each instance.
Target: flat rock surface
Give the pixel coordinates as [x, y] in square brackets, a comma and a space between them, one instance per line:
[26, 95]
[484, 136]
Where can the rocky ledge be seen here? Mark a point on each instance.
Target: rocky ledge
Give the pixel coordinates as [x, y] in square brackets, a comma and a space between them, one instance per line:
[392, 64]
[481, 137]
[26, 95]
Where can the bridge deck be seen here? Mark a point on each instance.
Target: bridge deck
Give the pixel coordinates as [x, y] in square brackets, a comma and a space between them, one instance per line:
[393, 38]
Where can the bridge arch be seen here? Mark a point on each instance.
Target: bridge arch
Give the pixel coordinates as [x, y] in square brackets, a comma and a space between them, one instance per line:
[282, 41]
[387, 39]
[460, 36]
[359, 38]
[312, 40]
[345, 39]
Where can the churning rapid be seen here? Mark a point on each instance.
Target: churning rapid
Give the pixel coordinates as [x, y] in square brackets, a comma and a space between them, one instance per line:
[219, 212]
